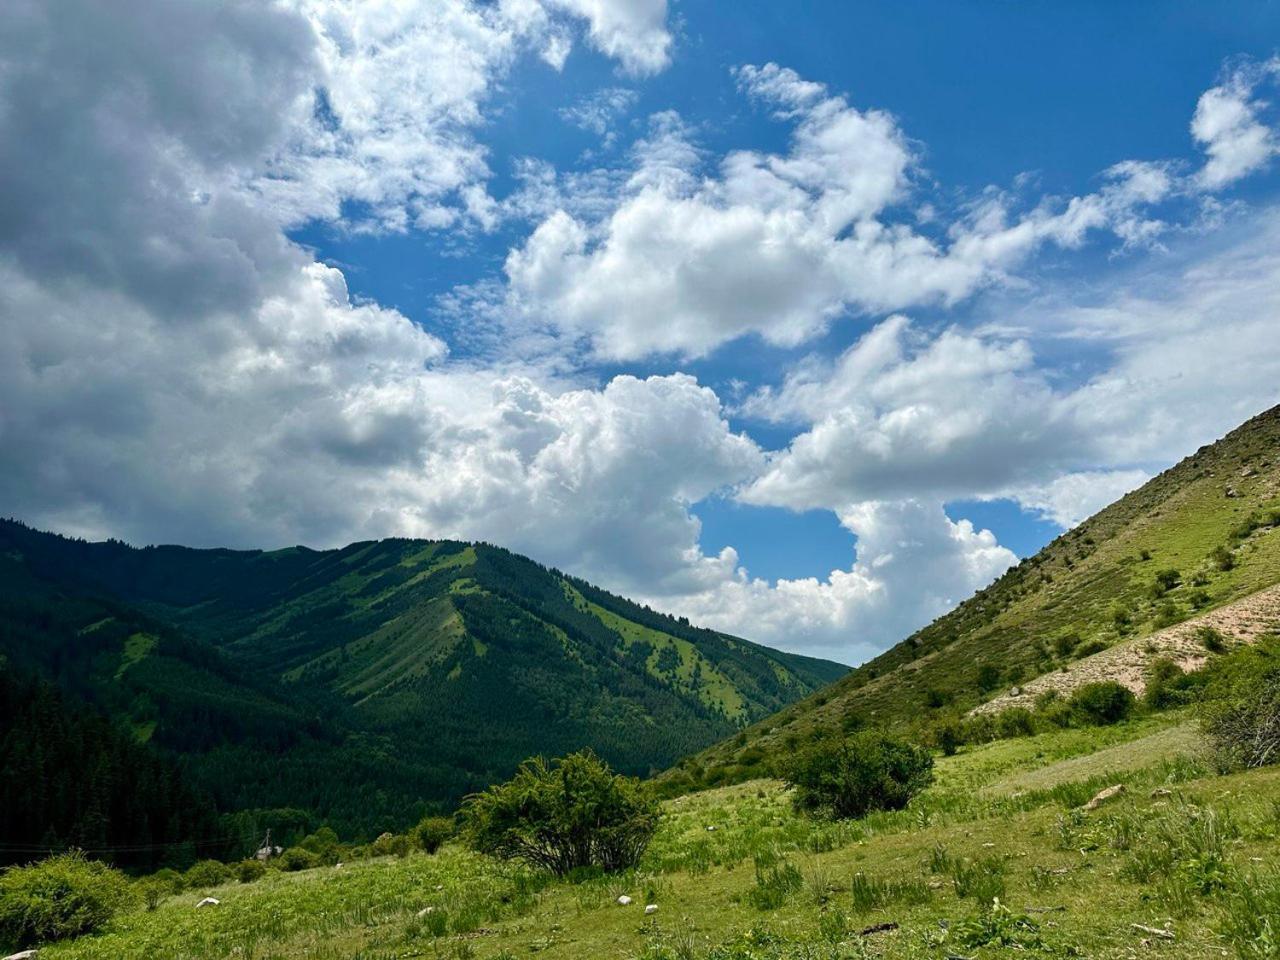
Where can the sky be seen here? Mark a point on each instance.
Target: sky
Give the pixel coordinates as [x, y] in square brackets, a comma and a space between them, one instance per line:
[802, 320]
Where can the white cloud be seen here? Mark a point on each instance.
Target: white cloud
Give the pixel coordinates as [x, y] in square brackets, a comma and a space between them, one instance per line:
[1187, 353]
[634, 32]
[1074, 497]
[598, 112]
[1227, 125]
[913, 564]
[778, 244]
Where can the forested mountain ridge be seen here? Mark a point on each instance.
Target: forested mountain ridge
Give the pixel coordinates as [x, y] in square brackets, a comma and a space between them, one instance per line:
[1202, 534]
[367, 684]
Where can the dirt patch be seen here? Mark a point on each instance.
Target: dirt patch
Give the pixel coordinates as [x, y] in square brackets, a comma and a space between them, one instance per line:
[1243, 621]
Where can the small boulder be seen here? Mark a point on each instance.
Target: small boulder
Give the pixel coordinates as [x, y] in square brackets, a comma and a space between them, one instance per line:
[1015, 691]
[1161, 792]
[424, 911]
[624, 901]
[1102, 796]
[208, 902]
[651, 909]
[24, 955]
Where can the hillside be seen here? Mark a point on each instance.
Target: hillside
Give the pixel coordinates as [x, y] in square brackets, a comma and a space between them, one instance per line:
[366, 684]
[1194, 539]
[735, 874]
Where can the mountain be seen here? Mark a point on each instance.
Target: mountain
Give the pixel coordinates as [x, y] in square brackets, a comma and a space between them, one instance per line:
[1195, 539]
[367, 684]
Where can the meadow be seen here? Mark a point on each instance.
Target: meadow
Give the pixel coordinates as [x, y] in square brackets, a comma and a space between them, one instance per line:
[998, 855]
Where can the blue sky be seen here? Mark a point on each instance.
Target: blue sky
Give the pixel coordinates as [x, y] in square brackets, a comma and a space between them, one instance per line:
[804, 320]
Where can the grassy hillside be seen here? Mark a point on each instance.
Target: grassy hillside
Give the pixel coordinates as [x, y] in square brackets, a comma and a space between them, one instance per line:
[367, 684]
[1195, 538]
[736, 875]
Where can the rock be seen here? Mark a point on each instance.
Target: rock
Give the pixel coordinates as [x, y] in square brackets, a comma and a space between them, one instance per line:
[710, 829]
[1231, 493]
[208, 902]
[650, 909]
[1102, 796]
[1161, 792]
[24, 955]
[424, 911]
[1015, 691]
[624, 901]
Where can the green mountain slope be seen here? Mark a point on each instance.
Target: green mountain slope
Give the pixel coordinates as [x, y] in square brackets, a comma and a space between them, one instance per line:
[1198, 536]
[369, 683]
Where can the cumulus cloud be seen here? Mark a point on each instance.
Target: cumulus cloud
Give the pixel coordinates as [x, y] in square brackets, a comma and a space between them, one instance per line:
[955, 414]
[913, 564]
[778, 244]
[1228, 127]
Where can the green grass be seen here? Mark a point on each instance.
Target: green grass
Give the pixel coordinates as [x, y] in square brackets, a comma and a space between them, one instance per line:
[736, 874]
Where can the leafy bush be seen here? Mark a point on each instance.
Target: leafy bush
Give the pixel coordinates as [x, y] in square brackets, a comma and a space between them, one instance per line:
[152, 891]
[1222, 558]
[570, 813]
[1242, 711]
[1014, 722]
[1165, 580]
[1102, 703]
[206, 873]
[1211, 639]
[1089, 648]
[298, 858]
[64, 896]
[431, 832]
[247, 871]
[988, 678]
[391, 844]
[851, 777]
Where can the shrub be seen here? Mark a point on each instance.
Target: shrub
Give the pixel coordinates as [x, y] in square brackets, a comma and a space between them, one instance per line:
[1064, 643]
[1241, 715]
[570, 813]
[298, 858]
[391, 844]
[988, 677]
[1014, 722]
[1211, 639]
[169, 878]
[207, 873]
[431, 832]
[851, 777]
[947, 737]
[1165, 580]
[1162, 690]
[1102, 703]
[1089, 649]
[64, 896]
[247, 871]
[1222, 558]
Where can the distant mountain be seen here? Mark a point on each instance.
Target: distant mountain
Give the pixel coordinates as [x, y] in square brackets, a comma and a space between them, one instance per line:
[1198, 537]
[367, 684]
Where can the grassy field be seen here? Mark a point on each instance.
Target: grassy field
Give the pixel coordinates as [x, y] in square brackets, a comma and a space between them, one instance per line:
[735, 874]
